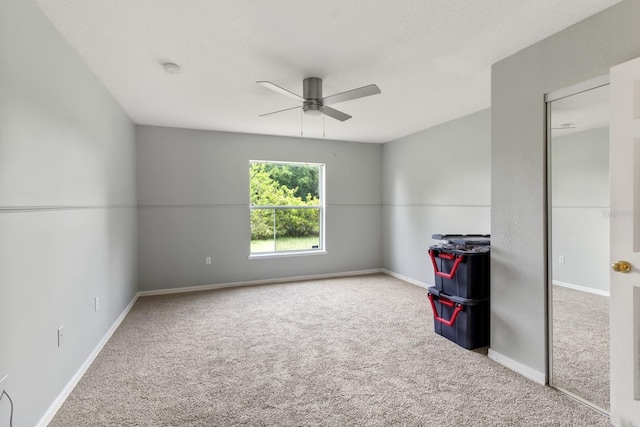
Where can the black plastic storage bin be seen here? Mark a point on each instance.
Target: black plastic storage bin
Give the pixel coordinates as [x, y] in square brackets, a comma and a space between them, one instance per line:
[461, 265]
[461, 320]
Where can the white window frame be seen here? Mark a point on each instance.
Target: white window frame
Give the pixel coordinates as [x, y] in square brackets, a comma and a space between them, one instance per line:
[321, 250]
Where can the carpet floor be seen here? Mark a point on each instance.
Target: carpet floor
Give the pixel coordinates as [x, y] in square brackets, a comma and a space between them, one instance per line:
[581, 344]
[349, 351]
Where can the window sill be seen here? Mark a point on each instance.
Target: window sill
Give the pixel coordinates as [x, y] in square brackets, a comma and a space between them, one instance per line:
[268, 255]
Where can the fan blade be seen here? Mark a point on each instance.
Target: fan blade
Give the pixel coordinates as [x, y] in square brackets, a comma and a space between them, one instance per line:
[279, 111]
[281, 91]
[361, 92]
[338, 115]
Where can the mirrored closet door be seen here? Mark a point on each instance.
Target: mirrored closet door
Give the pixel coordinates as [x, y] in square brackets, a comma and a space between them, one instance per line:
[578, 218]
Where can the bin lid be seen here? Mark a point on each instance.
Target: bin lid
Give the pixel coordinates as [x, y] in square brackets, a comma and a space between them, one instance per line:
[464, 301]
[453, 248]
[465, 239]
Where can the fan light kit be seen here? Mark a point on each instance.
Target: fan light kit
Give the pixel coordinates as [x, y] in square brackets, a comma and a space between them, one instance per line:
[312, 101]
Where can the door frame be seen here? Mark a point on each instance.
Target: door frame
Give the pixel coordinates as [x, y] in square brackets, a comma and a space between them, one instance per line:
[548, 99]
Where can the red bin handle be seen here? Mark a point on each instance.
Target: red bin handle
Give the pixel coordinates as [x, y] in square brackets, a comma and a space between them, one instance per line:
[439, 273]
[448, 303]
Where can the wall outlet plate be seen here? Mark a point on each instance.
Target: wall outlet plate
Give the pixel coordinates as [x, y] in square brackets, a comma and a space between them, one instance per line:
[60, 336]
[96, 303]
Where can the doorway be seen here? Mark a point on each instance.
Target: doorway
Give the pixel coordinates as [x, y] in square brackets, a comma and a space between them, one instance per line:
[578, 241]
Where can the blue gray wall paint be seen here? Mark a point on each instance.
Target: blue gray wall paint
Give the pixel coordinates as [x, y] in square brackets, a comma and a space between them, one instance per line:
[67, 211]
[435, 181]
[68, 196]
[518, 178]
[193, 191]
[580, 207]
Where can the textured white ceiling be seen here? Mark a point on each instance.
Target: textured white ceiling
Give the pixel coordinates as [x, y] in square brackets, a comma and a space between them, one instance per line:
[431, 58]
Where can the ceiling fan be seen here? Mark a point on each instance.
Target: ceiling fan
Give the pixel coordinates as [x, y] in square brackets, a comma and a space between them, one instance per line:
[312, 101]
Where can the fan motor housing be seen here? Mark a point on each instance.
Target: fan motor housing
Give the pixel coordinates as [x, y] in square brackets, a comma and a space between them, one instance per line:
[312, 93]
[312, 88]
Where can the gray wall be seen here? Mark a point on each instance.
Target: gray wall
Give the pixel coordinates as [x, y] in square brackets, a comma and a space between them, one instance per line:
[67, 211]
[435, 181]
[193, 191]
[580, 206]
[518, 257]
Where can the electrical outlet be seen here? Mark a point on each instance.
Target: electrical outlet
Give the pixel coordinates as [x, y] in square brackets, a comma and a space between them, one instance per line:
[96, 303]
[208, 260]
[561, 259]
[60, 336]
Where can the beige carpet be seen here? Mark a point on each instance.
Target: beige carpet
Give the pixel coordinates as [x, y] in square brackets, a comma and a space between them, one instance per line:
[352, 351]
[581, 344]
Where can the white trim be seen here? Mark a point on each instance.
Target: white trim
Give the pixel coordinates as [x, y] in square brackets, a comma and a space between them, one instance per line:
[286, 162]
[406, 279]
[581, 288]
[426, 205]
[272, 255]
[66, 391]
[518, 367]
[53, 208]
[577, 88]
[279, 207]
[257, 282]
[68, 388]
[583, 401]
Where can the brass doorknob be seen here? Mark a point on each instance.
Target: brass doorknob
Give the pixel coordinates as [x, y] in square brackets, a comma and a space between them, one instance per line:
[621, 267]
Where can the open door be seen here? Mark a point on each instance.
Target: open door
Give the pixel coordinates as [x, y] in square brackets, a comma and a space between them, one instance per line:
[624, 157]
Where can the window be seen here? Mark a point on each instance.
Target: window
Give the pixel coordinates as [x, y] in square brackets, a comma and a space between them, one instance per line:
[286, 208]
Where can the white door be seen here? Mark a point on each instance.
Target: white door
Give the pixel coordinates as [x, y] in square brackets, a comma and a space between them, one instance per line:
[624, 158]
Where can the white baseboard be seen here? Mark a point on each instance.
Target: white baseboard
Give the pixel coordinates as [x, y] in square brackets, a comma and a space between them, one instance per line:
[66, 391]
[518, 367]
[257, 282]
[405, 278]
[581, 288]
[68, 388]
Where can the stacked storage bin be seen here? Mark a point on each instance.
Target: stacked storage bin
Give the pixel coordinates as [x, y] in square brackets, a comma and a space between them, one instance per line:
[460, 298]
